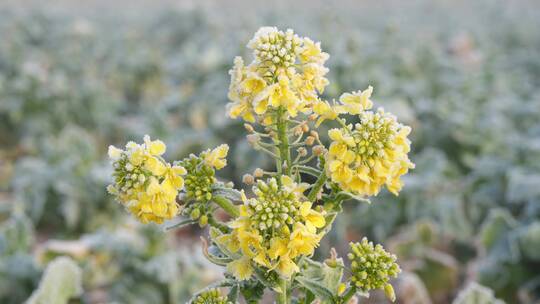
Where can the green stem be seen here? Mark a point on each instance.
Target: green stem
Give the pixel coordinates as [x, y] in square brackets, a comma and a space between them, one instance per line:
[283, 142]
[317, 186]
[282, 297]
[223, 228]
[227, 205]
[349, 294]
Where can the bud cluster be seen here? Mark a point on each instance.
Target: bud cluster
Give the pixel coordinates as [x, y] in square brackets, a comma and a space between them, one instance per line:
[211, 296]
[375, 134]
[199, 179]
[372, 267]
[275, 49]
[273, 208]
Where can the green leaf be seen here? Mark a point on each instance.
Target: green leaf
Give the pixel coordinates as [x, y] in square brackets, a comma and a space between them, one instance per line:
[317, 288]
[321, 279]
[61, 281]
[180, 224]
[475, 293]
[233, 294]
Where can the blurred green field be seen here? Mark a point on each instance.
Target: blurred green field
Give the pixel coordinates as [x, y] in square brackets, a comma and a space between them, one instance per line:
[76, 78]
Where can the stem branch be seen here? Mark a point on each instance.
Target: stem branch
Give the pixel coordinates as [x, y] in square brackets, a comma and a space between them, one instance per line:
[283, 142]
[317, 186]
[227, 205]
[282, 297]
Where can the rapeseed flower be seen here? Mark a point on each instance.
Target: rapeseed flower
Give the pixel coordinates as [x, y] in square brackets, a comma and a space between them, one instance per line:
[287, 72]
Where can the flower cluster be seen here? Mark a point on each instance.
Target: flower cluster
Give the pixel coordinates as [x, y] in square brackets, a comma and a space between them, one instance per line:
[287, 72]
[200, 179]
[144, 182]
[273, 229]
[211, 296]
[372, 267]
[372, 154]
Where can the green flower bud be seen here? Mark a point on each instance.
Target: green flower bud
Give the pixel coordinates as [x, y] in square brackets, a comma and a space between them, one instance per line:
[203, 221]
[195, 214]
[211, 296]
[372, 267]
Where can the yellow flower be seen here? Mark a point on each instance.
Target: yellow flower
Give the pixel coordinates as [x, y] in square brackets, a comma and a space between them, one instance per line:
[303, 240]
[241, 268]
[325, 111]
[312, 218]
[173, 176]
[216, 157]
[155, 165]
[286, 266]
[114, 153]
[356, 102]
[154, 147]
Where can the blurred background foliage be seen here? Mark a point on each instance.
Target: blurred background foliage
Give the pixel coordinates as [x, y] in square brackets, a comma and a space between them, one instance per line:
[75, 78]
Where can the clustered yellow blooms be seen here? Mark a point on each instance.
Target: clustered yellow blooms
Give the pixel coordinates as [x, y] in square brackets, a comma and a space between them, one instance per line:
[369, 155]
[273, 230]
[287, 71]
[145, 183]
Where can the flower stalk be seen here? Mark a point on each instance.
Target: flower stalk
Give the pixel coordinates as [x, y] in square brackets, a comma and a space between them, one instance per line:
[227, 206]
[271, 237]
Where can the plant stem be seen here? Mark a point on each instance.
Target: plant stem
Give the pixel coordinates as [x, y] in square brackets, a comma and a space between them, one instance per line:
[350, 293]
[283, 142]
[317, 186]
[227, 205]
[282, 297]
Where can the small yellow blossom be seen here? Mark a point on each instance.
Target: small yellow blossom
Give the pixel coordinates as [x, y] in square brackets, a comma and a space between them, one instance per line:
[356, 102]
[241, 268]
[216, 157]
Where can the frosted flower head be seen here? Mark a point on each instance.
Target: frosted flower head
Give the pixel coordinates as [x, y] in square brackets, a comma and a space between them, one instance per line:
[143, 182]
[274, 228]
[372, 267]
[287, 72]
[369, 155]
[273, 208]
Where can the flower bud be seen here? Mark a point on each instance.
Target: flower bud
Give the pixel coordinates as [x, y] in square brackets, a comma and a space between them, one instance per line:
[258, 173]
[310, 140]
[203, 221]
[319, 150]
[249, 128]
[248, 179]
